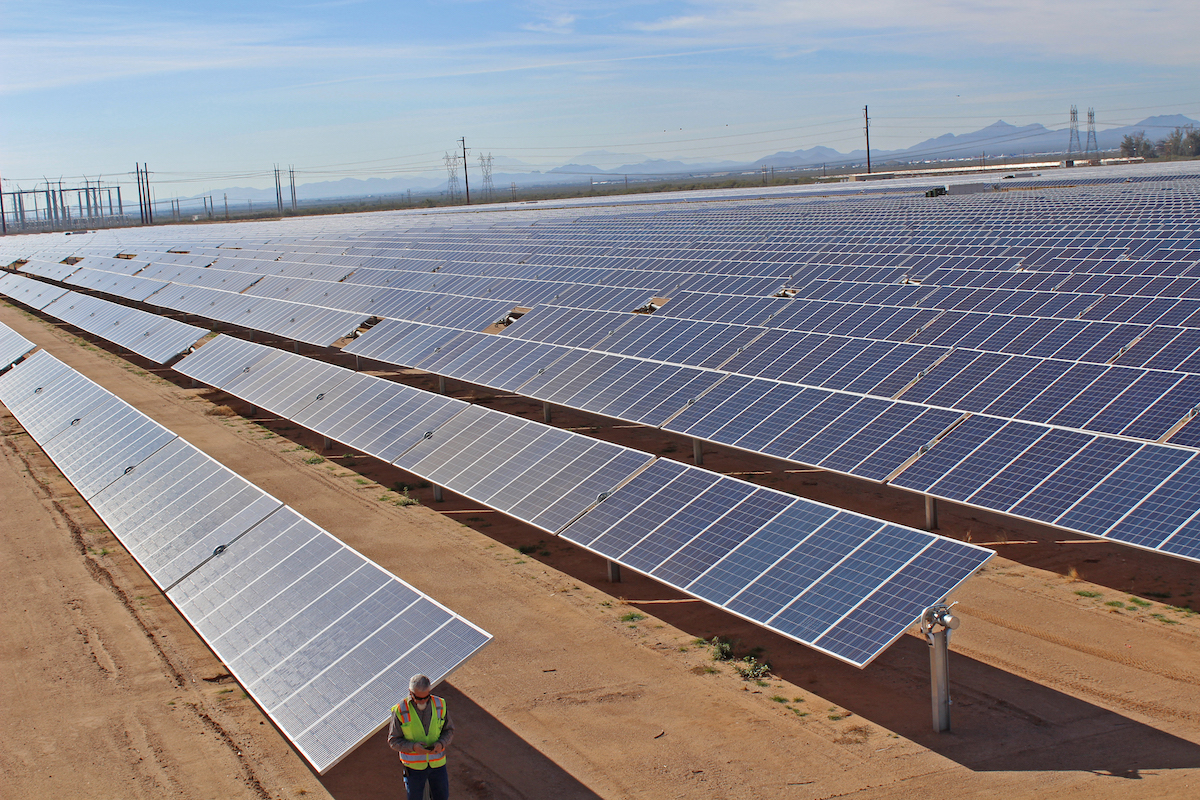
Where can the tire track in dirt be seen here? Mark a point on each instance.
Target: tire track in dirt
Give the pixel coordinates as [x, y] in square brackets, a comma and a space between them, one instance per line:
[1073, 679]
[1116, 656]
[249, 778]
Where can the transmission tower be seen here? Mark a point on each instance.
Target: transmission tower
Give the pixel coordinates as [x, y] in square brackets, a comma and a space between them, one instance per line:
[485, 166]
[1093, 147]
[1073, 145]
[452, 184]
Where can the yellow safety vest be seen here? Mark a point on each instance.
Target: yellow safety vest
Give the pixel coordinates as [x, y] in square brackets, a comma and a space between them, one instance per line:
[414, 731]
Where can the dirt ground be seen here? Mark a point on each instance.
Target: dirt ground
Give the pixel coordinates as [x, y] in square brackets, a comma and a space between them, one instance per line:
[1074, 673]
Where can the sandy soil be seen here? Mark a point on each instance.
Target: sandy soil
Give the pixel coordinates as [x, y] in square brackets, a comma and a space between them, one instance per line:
[1074, 672]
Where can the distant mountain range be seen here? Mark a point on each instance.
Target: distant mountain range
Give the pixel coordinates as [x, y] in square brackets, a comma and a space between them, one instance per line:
[996, 140]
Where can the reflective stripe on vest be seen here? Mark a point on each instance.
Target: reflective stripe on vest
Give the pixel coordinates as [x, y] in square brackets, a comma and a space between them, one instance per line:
[414, 731]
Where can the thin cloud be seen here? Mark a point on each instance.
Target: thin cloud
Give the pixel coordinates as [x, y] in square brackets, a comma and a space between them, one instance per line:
[562, 25]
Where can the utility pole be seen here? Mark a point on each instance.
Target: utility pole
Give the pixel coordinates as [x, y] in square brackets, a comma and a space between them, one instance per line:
[292, 180]
[867, 130]
[278, 191]
[466, 183]
[227, 205]
[1073, 145]
[3, 222]
[149, 200]
[141, 198]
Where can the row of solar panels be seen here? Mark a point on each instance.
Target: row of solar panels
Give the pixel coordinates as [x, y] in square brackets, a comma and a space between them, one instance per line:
[528, 285]
[842, 583]
[321, 638]
[1168, 413]
[1121, 400]
[1030, 470]
[304, 323]
[157, 338]
[13, 347]
[1080, 215]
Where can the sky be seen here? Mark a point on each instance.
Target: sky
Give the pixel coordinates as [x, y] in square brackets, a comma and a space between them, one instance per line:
[215, 94]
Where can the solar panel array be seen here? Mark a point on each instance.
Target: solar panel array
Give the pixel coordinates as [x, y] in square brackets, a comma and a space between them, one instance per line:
[13, 347]
[157, 338]
[1031, 352]
[678, 524]
[320, 637]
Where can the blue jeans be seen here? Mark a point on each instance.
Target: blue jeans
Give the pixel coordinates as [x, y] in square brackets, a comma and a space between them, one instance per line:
[438, 779]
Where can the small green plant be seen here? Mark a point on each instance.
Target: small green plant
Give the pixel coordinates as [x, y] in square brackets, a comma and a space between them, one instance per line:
[632, 616]
[1137, 601]
[837, 717]
[1117, 603]
[1165, 619]
[314, 460]
[761, 683]
[1084, 593]
[526, 549]
[799, 713]
[405, 500]
[750, 668]
[778, 699]
[722, 651]
[797, 699]
[361, 481]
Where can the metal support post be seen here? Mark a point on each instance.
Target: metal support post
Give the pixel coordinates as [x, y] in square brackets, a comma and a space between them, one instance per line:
[442, 384]
[357, 366]
[697, 451]
[326, 443]
[936, 624]
[437, 493]
[546, 413]
[614, 572]
[931, 521]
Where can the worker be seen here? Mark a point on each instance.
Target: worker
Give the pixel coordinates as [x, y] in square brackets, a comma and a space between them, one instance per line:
[421, 731]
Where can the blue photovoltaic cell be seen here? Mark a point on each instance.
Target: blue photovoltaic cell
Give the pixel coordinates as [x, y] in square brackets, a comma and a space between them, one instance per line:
[785, 432]
[398, 342]
[870, 437]
[653, 512]
[1173, 407]
[939, 568]
[706, 416]
[1042, 458]
[716, 541]
[699, 512]
[832, 436]
[1161, 512]
[982, 462]
[1185, 541]
[836, 593]
[772, 590]
[905, 444]
[1074, 479]
[751, 425]
[575, 488]
[1010, 402]
[602, 518]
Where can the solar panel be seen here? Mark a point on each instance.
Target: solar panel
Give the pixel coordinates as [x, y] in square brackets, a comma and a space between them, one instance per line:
[827, 578]
[13, 347]
[320, 637]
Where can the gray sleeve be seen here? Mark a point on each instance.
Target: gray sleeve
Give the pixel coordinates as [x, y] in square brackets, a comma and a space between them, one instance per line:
[447, 734]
